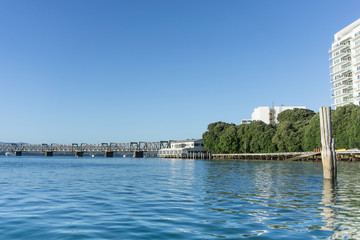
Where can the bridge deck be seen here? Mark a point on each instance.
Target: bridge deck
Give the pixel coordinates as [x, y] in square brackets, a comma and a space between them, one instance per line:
[85, 147]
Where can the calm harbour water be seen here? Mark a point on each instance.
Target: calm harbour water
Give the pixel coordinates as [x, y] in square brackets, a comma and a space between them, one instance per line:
[126, 198]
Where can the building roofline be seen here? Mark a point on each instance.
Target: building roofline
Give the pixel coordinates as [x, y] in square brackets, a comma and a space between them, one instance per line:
[346, 30]
[188, 140]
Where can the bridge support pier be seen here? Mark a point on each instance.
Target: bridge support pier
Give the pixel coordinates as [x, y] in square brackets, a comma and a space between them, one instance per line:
[139, 154]
[109, 154]
[79, 154]
[49, 154]
[17, 153]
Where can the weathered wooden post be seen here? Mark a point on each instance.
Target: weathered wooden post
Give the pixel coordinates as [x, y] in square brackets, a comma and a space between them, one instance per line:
[328, 154]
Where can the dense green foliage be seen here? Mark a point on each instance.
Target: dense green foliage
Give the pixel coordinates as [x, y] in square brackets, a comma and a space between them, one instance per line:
[291, 129]
[297, 130]
[346, 126]
[295, 115]
[312, 138]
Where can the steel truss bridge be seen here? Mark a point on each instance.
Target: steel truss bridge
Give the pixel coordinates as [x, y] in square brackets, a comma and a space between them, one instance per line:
[138, 148]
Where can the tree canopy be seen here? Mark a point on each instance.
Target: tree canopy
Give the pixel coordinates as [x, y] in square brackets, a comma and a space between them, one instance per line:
[297, 130]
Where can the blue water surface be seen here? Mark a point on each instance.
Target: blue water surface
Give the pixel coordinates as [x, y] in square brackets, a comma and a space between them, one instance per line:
[149, 198]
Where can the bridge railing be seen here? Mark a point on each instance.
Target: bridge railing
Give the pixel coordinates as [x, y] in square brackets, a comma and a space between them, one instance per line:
[120, 147]
[85, 147]
[61, 147]
[8, 147]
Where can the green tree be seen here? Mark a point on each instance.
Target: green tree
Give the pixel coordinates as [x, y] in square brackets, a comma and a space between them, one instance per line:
[295, 115]
[291, 128]
[312, 137]
[211, 138]
[354, 135]
[256, 137]
[210, 141]
[261, 137]
[286, 138]
[244, 138]
[297, 130]
[346, 126]
[229, 141]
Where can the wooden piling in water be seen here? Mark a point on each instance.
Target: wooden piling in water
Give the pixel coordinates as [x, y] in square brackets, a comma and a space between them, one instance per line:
[328, 154]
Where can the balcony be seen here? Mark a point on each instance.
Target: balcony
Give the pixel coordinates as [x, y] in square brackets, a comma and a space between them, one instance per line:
[342, 85]
[341, 103]
[344, 101]
[339, 46]
[340, 77]
[341, 61]
[341, 53]
[343, 71]
[345, 94]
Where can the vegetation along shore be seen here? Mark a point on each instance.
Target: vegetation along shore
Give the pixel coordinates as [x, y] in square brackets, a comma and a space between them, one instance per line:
[298, 130]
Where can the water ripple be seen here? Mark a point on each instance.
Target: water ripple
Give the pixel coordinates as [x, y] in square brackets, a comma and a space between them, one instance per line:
[123, 198]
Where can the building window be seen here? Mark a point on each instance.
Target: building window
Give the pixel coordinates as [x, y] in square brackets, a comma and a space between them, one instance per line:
[348, 99]
[346, 66]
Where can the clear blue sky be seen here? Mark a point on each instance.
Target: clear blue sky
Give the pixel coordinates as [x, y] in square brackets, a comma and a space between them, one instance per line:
[119, 71]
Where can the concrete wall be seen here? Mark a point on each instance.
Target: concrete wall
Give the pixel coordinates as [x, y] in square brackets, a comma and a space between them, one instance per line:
[261, 114]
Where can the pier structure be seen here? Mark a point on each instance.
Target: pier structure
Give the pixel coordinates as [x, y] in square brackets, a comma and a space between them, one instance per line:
[292, 156]
[138, 148]
[342, 155]
[188, 155]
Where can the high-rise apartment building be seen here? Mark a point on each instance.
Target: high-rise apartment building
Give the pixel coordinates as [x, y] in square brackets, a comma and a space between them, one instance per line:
[345, 65]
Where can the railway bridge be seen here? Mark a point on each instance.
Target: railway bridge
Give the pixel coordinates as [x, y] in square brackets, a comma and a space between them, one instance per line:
[138, 148]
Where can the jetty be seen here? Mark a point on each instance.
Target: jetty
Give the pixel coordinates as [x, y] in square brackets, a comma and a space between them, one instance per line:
[342, 155]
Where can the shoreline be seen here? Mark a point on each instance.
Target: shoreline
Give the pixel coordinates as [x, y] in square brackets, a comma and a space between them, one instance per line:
[347, 155]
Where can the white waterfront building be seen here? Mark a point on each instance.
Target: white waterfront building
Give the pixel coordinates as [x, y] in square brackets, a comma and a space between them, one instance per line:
[183, 147]
[345, 65]
[269, 115]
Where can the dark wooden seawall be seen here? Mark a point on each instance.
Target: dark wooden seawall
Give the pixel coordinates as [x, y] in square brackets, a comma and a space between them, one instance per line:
[347, 155]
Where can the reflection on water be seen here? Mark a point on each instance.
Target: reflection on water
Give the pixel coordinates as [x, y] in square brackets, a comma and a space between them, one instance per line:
[330, 212]
[279, 197]
[125, 198]
[341, 203]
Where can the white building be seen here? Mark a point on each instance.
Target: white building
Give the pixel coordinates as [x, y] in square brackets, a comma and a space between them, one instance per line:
[183, 148]
[269, 115]
[345, 65]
